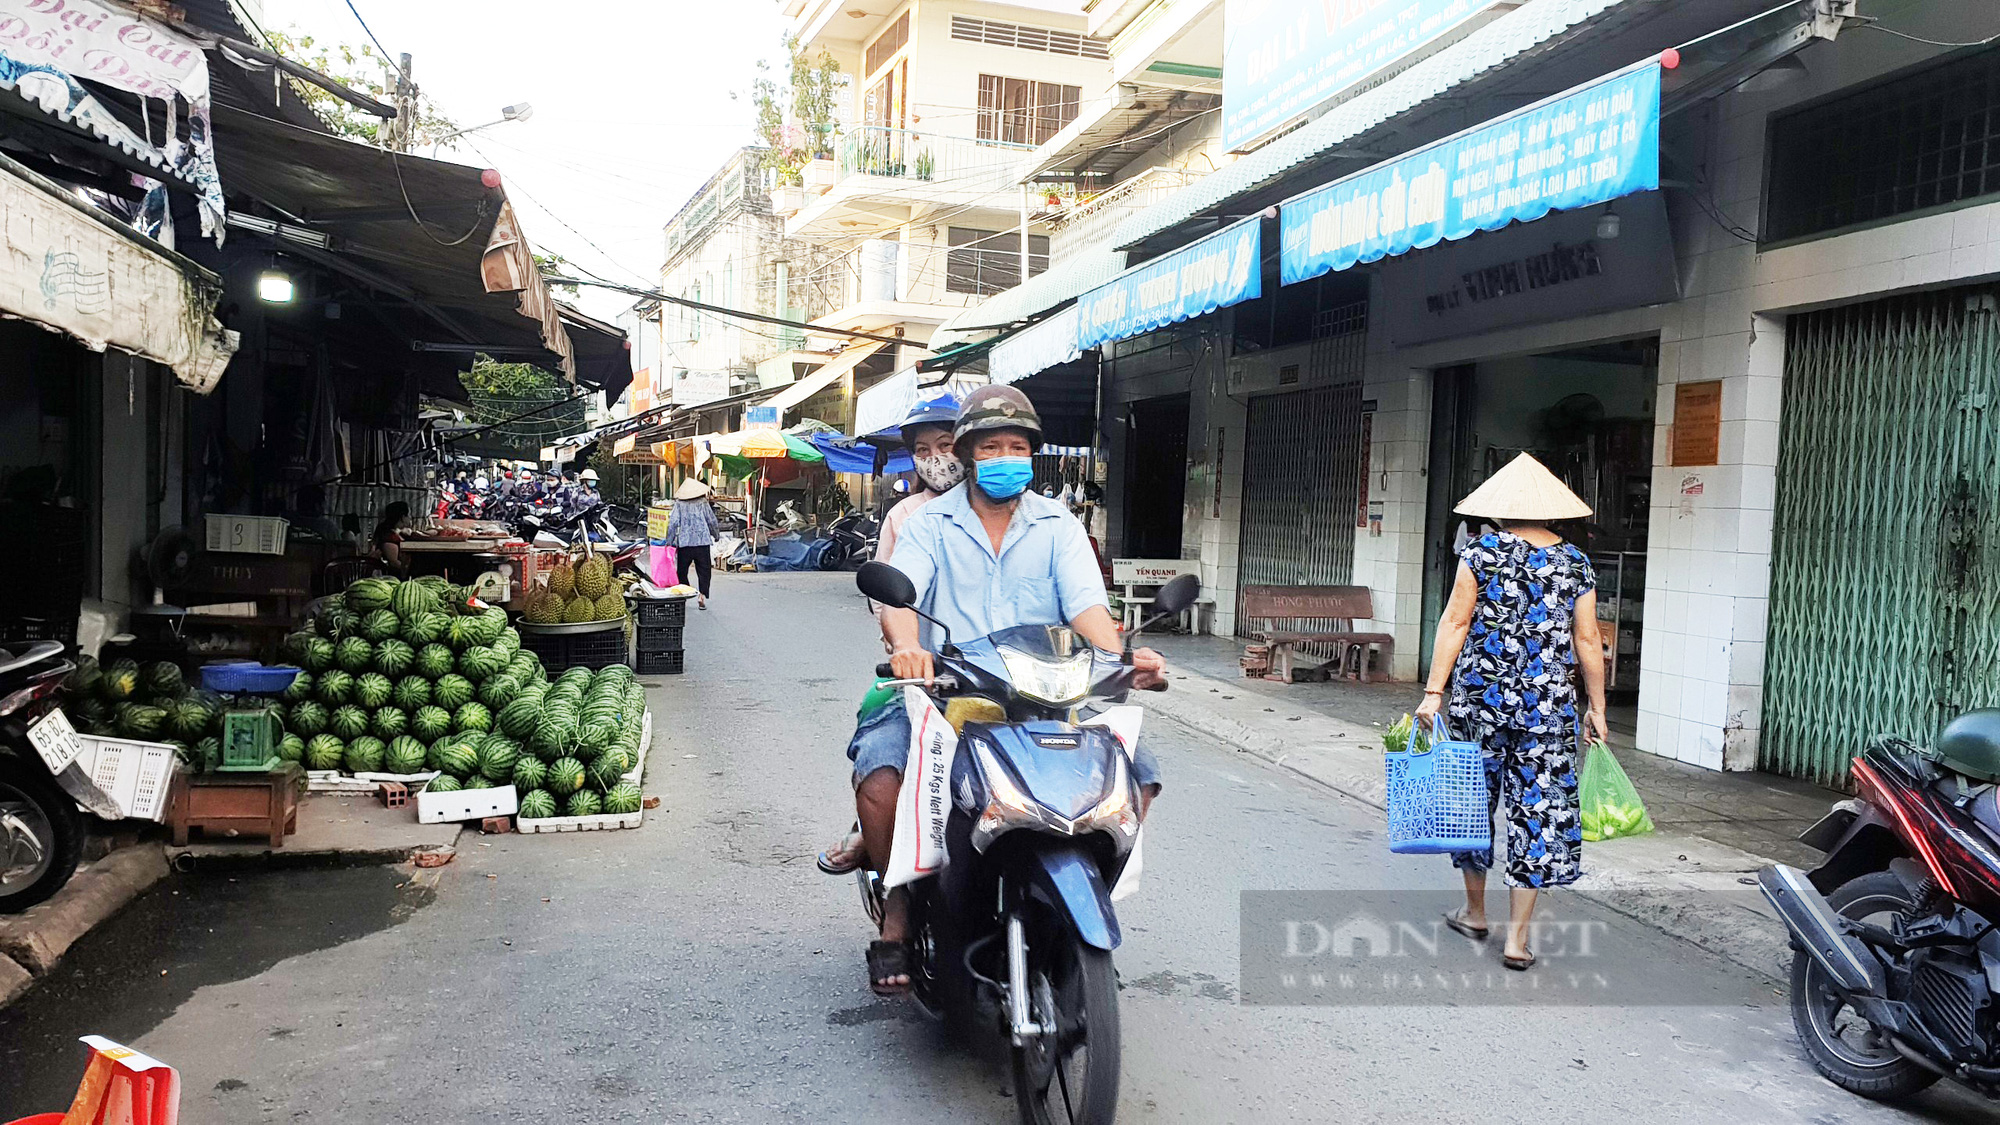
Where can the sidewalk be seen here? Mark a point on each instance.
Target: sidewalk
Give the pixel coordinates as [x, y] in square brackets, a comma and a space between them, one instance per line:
[1689, 878]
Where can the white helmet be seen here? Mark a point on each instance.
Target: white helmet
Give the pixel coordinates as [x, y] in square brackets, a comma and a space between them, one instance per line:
[590, 474]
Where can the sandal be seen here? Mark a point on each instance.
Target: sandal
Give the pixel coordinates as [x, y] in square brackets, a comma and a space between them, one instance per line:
[844, 858]
[1456, 920]
[1519, 964]
[888, 959]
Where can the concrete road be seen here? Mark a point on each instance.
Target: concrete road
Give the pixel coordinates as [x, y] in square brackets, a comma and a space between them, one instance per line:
[700, 969]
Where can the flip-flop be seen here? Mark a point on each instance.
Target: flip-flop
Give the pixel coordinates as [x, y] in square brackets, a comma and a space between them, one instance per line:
[1519, 964]
[1458, 925]
[852, 847]
[888, 959]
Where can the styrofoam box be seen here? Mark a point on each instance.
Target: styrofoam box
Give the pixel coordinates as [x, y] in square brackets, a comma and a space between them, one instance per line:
[467, 804]
[601, 821]
[249, 535]
[135, 775]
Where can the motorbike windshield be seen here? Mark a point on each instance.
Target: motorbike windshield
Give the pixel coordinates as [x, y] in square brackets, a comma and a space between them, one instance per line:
[1065, 769]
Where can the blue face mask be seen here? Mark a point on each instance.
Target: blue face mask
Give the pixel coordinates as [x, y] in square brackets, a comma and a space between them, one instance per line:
[1004, 478]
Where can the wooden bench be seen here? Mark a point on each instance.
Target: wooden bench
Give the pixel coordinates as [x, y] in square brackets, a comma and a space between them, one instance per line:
[1343, 604]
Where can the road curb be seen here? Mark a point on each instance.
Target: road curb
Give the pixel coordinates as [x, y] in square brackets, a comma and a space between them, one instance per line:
[14, 980]
[272, 859]
[37, 938]
[1684, 886]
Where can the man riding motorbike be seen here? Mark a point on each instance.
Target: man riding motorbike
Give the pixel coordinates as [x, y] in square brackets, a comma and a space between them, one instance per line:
[987, 555]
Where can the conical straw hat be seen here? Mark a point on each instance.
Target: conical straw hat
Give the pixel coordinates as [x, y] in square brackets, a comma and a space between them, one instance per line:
[1524, 490]
[691, 489]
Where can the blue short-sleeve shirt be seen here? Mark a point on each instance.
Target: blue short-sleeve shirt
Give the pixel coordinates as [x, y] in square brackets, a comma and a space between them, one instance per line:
[1045, 572]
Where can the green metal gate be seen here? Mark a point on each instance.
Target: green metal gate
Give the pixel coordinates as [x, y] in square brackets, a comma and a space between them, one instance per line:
[1885, 568]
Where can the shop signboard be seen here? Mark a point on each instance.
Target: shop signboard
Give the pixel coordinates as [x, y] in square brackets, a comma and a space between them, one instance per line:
[761, 417]
[1281, 58]
[1591, 145]
[692, 388]
[1201, 277]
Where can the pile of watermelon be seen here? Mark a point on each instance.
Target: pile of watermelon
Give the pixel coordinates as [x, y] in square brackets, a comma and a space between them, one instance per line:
[564, 746]
[150, 703]
[392, 669]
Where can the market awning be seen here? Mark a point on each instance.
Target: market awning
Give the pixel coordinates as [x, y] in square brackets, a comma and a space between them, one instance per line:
[833, 369]
[851, 455]
[958, 355]
[1061, 282]
[1035, 348]
[1582, 147]
[427, 232]
[75, 269]
[1210, 273]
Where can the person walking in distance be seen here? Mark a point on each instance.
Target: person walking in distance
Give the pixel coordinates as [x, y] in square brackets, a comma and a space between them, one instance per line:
[691, 531]
[1522, 609]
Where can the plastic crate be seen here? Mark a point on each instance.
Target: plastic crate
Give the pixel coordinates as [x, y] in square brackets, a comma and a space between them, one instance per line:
[657, 612]
[661, 663]
[562, 651]
[660, 638]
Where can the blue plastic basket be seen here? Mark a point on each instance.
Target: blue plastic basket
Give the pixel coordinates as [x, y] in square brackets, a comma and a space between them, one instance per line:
[1436, 797]
[248, 676]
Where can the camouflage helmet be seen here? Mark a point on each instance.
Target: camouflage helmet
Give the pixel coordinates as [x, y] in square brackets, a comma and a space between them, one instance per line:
[998, 408]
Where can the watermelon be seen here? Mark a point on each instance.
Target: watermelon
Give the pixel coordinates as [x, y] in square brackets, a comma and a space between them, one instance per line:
[434, 661]
[537, 804]
[425, 628]
[294, 645]
[308, 718]
[403, 755]
[335, 687]
[462, 633]
[507, 643]
[353, 654]
[492, 625]
[85, 679]
[368, 594]
[141, 721]
[413, 600]
[578, 676]
[163, 680]
[364, 755]
[301, 687]
[583, 802]
[325, 752]
[380, 625]
[434, 754]
[91, 716]
[412, 692]
[319, 655]
[607, 770]
[520, 718]
[458, 759]
[525, 666]
[498, 691]
[442, 783]
[120, 680]
[472, 716]
[497, 756]
[430, 723]
[372, 690]
[565, 776]
[479, 662]
[477, 781]
[292, 748]
[529, 773]
[393, 658]
[347, 723]
[389, 722]
[452, 691]
[333, 620]
[189, 719]
[623, 798]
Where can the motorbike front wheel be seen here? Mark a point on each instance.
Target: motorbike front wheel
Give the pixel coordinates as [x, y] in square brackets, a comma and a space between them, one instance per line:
[1069, 1077]
[1845, 1048]
[41, 835]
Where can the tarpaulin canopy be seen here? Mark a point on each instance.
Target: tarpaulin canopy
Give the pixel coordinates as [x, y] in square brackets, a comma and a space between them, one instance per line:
[847, 455]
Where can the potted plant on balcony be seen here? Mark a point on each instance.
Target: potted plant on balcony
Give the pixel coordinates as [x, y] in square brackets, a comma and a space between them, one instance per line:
[926, 165]
[797, 120]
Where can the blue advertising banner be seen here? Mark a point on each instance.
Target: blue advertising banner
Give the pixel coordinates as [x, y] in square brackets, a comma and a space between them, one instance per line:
[1281, 58]
[1201, 277]
[1593, 144]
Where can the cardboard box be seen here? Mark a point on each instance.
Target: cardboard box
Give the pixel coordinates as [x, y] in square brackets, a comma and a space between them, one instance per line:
[467, 804]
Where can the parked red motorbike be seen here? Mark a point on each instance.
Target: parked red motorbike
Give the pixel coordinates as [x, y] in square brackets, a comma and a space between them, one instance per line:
[1896, 974]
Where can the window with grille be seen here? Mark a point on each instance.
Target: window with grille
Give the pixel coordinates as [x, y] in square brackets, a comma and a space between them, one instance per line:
[888, 43]
[1020, 111]
[985, 262]
[1923, 139]
[998, 33]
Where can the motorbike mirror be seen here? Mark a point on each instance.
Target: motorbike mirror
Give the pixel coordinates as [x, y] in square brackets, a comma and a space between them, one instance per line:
[1177, 596]
[885, 584]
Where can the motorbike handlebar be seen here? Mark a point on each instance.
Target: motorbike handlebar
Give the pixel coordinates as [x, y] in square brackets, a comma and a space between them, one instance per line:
[885, 669]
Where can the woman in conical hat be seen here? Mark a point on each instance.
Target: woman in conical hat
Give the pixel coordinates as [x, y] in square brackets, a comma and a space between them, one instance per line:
[1519, 632]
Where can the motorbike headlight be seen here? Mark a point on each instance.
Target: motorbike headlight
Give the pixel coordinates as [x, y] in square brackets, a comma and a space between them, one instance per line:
[1054, 682]
[1118, 812]
[1006, 806]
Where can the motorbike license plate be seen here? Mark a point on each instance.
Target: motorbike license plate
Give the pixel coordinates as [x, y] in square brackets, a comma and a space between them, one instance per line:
[55, 740]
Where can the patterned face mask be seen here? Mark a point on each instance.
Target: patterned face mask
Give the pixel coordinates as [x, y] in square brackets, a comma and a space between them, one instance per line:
[940, 473]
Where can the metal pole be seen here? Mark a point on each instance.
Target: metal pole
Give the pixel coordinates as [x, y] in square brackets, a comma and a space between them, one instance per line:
[1024, 232]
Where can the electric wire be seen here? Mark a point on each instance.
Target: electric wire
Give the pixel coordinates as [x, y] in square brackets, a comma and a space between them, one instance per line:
[1874, 23]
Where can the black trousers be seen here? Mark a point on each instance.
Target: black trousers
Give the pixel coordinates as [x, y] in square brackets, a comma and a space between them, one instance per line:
[697, 557]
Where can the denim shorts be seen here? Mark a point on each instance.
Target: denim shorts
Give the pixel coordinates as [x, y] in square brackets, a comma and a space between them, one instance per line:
[883, 740]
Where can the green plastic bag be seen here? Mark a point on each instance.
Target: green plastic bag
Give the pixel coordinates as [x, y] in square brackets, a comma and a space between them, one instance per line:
[1606, 799]
[877, 698]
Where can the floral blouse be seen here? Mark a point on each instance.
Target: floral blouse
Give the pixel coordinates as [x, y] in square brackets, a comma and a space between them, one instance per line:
[1517, 670]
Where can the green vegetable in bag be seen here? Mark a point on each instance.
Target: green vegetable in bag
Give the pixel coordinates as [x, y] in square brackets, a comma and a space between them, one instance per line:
[1608, 804]
[1407, 734]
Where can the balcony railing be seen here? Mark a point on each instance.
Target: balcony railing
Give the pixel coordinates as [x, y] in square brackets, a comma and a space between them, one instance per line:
[1090, 222]
[962, 162]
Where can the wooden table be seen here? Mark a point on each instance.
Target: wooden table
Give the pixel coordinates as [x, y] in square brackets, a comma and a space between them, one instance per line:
[247, 804]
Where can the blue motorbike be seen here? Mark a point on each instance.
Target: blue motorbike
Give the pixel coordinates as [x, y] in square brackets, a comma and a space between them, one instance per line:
[1023, 827]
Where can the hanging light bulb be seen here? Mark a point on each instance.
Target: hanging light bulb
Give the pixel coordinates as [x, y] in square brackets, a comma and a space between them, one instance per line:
[1608, 223]
[274, 287]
